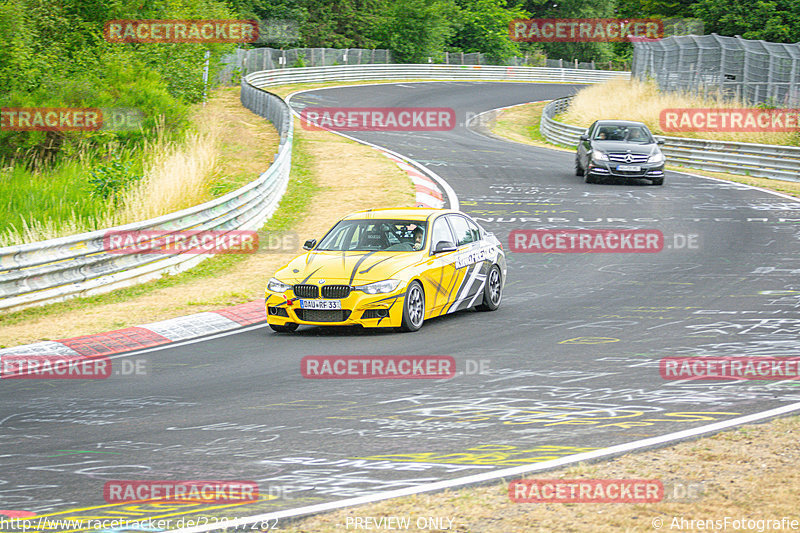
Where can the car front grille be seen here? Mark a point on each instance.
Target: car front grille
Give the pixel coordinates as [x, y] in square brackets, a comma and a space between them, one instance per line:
[623, 158]
[305, 291]
[335, 291]
[319, 315]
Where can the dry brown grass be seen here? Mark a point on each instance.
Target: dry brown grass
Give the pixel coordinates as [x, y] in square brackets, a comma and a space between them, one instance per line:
[176, 176]
[642, 101]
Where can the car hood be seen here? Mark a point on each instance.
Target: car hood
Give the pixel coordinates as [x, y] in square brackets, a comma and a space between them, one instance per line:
[347, 268]
[617, 146]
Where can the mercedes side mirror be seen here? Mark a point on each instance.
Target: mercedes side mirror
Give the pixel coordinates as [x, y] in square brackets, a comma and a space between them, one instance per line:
[309, 244]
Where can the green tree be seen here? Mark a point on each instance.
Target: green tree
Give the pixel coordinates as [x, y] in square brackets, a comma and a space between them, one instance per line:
[418, 29]
[483, 27]
[775, 20]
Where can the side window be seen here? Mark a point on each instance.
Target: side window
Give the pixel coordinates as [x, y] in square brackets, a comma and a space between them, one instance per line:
[441, 232]
[473, 228]
[461, 230]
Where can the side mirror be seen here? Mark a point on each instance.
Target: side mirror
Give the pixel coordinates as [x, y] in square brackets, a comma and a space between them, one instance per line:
[584, 137]
[659, 141]
[309, 244]
[444, 246]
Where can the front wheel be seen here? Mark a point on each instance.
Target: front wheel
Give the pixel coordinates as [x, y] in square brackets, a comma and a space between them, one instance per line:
[413, 307]
[286, 328]
[492, 291]
[578, 167]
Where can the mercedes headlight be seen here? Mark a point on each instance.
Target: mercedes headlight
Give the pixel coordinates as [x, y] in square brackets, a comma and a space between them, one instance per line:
[657, 157]
[276, 285]
[379, 287]
[597, 155]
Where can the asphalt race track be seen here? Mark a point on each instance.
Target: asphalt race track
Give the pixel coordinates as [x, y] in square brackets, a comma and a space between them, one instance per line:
[572, 354]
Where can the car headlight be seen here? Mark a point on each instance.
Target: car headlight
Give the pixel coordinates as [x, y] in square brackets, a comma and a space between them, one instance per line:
[597, 155]
[658, 157]
[275, 285]
[379, 287]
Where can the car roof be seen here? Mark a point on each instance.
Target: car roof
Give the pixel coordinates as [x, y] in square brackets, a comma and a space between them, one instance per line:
[403, 213]
[620, 123]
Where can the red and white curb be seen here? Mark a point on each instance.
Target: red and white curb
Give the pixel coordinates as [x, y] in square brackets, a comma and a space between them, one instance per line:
[428, 193]
[148, 335]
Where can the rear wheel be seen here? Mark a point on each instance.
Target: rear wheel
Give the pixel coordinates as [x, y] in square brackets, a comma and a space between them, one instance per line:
[413, 307]
[286, 328]
[492, 291]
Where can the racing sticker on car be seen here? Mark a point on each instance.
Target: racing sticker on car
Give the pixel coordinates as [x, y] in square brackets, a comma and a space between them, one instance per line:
[475, 256]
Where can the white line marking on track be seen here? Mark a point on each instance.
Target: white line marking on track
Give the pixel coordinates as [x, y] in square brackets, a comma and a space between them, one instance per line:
[503, 473]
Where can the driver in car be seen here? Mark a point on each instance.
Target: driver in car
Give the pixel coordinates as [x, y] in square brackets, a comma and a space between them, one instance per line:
[419, 238]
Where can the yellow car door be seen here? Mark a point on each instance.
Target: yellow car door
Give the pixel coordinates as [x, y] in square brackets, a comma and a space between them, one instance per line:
[440, 277]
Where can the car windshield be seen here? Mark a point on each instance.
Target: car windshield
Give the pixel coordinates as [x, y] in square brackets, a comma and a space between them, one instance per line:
[633, 134]
[376, 235]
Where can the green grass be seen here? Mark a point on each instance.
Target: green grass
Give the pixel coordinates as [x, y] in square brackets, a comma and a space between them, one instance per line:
[293, 207]
[53, 198]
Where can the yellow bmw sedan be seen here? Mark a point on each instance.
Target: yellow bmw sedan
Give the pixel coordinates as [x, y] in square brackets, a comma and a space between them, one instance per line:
[389, 268]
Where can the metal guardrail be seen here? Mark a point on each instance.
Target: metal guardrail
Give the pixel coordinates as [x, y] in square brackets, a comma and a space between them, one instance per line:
[757, 160]
[80, 265]
[431, 71]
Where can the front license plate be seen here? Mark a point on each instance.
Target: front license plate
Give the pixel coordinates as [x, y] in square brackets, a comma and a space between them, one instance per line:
[629, 168]
[320, 304]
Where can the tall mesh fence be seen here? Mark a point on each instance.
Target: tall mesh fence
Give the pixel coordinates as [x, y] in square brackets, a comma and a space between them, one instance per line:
[756, 72]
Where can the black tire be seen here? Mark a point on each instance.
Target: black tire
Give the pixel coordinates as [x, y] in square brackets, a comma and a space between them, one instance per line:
[657, 181]
[588, 178]
[492, 290]
[286, 328]
[578, 168]
[413, 307]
